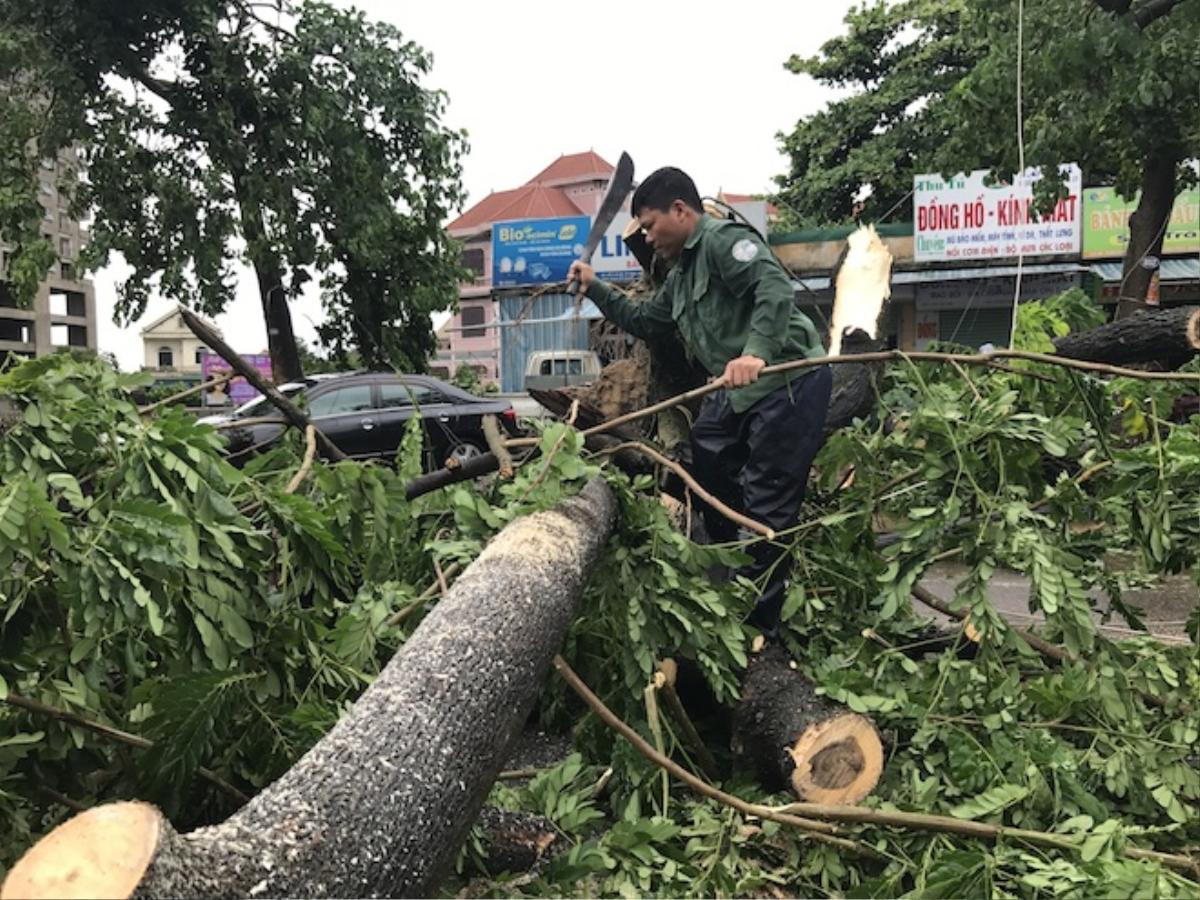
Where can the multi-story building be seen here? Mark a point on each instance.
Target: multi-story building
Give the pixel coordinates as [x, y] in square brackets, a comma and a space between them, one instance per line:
[63, 314]
[171, 351]
[570, 186]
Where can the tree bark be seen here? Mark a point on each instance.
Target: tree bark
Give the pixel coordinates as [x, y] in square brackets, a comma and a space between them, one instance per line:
[853, 396]
[1167, 336]
[1147, 226]
[281, 339]
[790, 736]
[382, 803]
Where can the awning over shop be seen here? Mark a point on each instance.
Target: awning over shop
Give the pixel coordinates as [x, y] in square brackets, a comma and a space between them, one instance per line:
[1169, 270]
[929, 276]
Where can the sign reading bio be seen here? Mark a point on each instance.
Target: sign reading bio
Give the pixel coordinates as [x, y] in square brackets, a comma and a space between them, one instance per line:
[1106, 224]
[239, 390]
[965, 219]
[536, 251]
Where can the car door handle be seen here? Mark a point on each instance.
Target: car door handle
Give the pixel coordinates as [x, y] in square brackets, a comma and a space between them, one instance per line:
[368, 424]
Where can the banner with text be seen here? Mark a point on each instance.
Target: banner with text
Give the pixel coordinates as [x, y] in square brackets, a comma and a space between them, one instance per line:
[1106, 224]
[536, 251]
[963, 219]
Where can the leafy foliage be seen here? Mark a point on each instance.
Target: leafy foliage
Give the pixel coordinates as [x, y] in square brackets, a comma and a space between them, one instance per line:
[1113, 92]
[163, 592]
[296, 142]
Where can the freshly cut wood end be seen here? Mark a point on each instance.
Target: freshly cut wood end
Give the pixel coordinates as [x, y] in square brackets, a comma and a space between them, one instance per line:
[103, 852]
[1193, 330]
[669, 669]
[758, 643]
[971, 632]
[838, 761]
[863, 286]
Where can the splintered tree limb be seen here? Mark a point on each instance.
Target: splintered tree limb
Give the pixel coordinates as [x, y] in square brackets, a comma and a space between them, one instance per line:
[290, 411]
[381, 804]
[310, 450]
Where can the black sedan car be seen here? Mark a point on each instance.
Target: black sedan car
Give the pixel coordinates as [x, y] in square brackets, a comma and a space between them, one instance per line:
[366, 413]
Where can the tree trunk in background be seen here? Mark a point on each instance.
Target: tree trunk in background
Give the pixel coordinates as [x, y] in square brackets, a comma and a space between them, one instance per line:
[1147, 226]
[281, 339]
[380, 806]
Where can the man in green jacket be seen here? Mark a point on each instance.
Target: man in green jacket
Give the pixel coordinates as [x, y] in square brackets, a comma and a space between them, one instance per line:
[731, 302]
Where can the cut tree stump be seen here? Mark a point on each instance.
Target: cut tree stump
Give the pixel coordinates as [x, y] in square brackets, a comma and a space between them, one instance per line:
[791, 737]
[1167, 336]
[381, 804]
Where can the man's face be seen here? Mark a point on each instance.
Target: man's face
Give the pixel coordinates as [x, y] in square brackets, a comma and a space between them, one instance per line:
[667, 231]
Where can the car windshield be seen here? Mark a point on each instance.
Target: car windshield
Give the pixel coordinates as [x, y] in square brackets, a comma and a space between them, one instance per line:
[261, 406]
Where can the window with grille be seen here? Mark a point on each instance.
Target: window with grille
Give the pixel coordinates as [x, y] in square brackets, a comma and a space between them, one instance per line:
[472, 315]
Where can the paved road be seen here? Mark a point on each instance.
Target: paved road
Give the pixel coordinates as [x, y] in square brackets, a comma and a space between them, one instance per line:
[1166, 607]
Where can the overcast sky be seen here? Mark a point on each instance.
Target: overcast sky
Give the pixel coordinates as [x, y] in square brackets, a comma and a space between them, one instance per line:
[705, 91]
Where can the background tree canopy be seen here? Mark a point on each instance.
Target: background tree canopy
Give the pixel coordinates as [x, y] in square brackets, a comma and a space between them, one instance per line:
[295, 137]
[1109, 84]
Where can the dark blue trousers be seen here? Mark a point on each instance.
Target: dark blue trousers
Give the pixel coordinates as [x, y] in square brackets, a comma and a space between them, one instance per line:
[757, 462]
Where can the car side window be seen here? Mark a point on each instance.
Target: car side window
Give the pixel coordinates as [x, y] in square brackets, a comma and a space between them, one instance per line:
[353, 398]
[576, 366]
[560, 367]
[392, 396]
[545, 367]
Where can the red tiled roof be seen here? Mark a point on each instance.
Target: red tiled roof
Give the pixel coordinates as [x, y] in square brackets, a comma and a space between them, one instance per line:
[538, 198]
[575, 167]
[529, 202]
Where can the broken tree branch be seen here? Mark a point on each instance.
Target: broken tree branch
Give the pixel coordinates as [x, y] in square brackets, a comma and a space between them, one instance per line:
[290, 411]
[970, 359]
[310, 450]
[495, 442]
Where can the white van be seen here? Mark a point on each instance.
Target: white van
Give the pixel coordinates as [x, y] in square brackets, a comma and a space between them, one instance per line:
[545, 369]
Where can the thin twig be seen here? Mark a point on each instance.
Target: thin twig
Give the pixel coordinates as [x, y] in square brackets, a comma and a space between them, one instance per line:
[209, 385]
[310, 451]
[553, 450]
[115, 734]
[665, 684]
[967, 378]
[434, 589]
[731, 514]
[862, 815]
[820, 831]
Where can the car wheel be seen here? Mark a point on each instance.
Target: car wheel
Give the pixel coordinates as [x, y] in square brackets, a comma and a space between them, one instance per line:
[464, 451]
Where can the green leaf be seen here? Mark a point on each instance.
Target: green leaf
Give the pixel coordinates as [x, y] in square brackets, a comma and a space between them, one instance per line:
[991, 801]
[214, 644]
[237, 627]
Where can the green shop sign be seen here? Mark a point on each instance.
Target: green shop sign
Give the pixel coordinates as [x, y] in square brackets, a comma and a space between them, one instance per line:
[1106, 223]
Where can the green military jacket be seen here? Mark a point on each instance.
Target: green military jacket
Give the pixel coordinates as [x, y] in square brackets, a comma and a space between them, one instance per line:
[729, 297]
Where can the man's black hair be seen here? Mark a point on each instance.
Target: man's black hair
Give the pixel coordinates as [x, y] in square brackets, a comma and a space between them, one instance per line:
[662, 188]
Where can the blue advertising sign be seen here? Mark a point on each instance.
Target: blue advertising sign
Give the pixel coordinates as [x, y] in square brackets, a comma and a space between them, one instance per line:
[536, 251]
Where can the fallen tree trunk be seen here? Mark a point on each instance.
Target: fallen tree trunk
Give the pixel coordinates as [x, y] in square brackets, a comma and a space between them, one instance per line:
[381, 804]
[790, 736]
[1167, 336]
